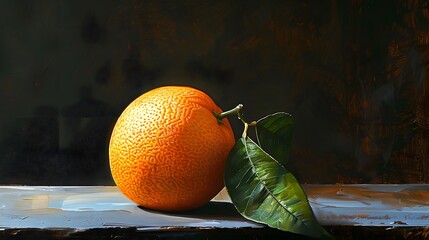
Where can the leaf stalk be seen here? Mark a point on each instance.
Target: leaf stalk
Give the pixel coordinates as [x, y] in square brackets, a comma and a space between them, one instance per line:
[236, 110]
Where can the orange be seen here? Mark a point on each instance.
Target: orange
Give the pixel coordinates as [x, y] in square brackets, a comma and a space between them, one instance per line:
[168, 151]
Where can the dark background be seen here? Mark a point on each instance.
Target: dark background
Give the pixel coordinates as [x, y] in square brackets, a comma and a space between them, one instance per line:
[352, 73]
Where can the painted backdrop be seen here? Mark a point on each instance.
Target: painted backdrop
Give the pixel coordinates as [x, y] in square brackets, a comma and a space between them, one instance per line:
[352, 73]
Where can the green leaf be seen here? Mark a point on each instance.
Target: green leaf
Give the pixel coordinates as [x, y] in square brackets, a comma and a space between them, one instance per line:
[275, 134]
[263, 190]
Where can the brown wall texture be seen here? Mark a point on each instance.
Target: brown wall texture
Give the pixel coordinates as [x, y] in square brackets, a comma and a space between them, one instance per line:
[352, 73]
